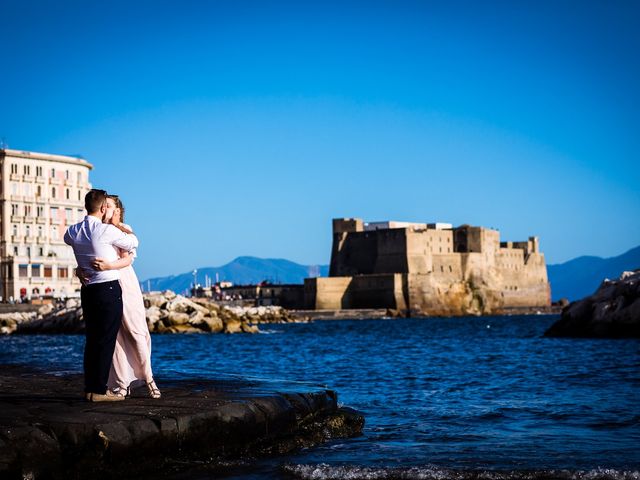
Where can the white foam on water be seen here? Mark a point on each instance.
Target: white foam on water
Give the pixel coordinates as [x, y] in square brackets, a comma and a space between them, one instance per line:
[324, 471]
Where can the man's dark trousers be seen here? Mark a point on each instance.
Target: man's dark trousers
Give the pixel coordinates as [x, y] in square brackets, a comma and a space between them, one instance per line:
[102, 311]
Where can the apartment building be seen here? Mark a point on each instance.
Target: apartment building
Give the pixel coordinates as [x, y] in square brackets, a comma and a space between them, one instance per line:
[40, 196]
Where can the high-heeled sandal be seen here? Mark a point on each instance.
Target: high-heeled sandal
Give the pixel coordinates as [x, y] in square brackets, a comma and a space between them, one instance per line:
[121, 392]
[154, 391]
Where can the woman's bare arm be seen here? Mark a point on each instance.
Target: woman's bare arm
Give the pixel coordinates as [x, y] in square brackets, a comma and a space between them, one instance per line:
[101, 264]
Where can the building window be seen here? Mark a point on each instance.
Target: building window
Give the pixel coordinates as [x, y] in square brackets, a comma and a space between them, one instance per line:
[40, 211]
[35, 270]
[54, 233]
[27, 230]
[53, 192]
[66, 174]
[63, 272]
[48, 271]
[79, 195]
[67, 193]
[27, 210]
[38, 171]
[15, 251]
[40, 231]
[40, 252]
[14, 189]
[53, 173]
[14, 168]
[15, 230]
[23, 271]
[29, 252]
[38, 191]
[14, 209]
[79, 177]
[54, 213]
[69, 214]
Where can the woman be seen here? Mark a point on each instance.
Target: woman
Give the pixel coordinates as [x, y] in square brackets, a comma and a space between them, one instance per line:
[132, 355]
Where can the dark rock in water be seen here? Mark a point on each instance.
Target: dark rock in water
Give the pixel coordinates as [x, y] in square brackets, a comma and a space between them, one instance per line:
[613, 311]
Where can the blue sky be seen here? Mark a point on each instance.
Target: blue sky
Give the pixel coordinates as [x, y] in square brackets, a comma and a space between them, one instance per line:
[243, 128]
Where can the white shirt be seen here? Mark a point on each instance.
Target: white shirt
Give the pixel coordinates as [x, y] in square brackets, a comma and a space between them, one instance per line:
[91, 239]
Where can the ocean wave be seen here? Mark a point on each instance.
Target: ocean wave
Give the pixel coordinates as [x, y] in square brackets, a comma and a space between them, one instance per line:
[324, 471]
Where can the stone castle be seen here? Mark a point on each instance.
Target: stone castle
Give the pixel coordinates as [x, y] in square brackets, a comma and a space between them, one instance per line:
[429, 269]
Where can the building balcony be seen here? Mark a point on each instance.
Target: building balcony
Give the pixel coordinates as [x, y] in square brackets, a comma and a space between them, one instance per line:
[17, 238]
[42, 240]
[28, 178]
[16, 219]
[16, 198]
[31, 239]
[56, 221]
[16, 177]
[41, 220]
[41, 180]
[68, 182]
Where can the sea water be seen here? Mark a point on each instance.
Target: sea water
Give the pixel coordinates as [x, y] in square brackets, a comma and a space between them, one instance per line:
[471, 397]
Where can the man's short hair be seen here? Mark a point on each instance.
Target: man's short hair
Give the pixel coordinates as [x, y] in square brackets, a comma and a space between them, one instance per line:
[94, 199]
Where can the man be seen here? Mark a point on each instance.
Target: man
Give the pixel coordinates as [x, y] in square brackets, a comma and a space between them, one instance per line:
[101, 295]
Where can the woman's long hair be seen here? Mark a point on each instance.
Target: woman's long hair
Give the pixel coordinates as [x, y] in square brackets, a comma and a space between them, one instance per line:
[119, 205]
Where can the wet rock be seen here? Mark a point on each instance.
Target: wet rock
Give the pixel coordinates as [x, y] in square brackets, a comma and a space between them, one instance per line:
[613, 311]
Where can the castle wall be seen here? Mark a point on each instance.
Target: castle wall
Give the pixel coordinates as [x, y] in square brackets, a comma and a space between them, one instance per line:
[326, 293]
[443, 271]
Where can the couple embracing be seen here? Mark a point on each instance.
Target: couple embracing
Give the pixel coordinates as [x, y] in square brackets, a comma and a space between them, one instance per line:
[117, 353]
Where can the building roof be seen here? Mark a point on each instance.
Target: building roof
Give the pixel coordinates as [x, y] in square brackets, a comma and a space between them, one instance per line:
[73, 160]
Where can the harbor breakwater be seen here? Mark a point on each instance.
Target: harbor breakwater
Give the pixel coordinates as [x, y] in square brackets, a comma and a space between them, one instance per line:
[166, 312]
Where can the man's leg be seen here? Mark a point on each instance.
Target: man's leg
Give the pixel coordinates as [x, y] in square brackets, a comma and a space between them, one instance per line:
[104, 301]
[90, 315]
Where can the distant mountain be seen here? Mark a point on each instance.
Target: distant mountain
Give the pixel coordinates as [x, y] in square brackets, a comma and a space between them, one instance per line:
[242, 270]
[581, 276]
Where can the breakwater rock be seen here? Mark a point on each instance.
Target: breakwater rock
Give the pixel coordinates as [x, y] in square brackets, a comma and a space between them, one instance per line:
[48, 431]
[166, 312]
[171, 313]
[613, 311]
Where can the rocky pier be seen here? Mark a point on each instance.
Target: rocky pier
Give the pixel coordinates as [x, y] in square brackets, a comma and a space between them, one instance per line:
[47, 429]
[166, 312]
